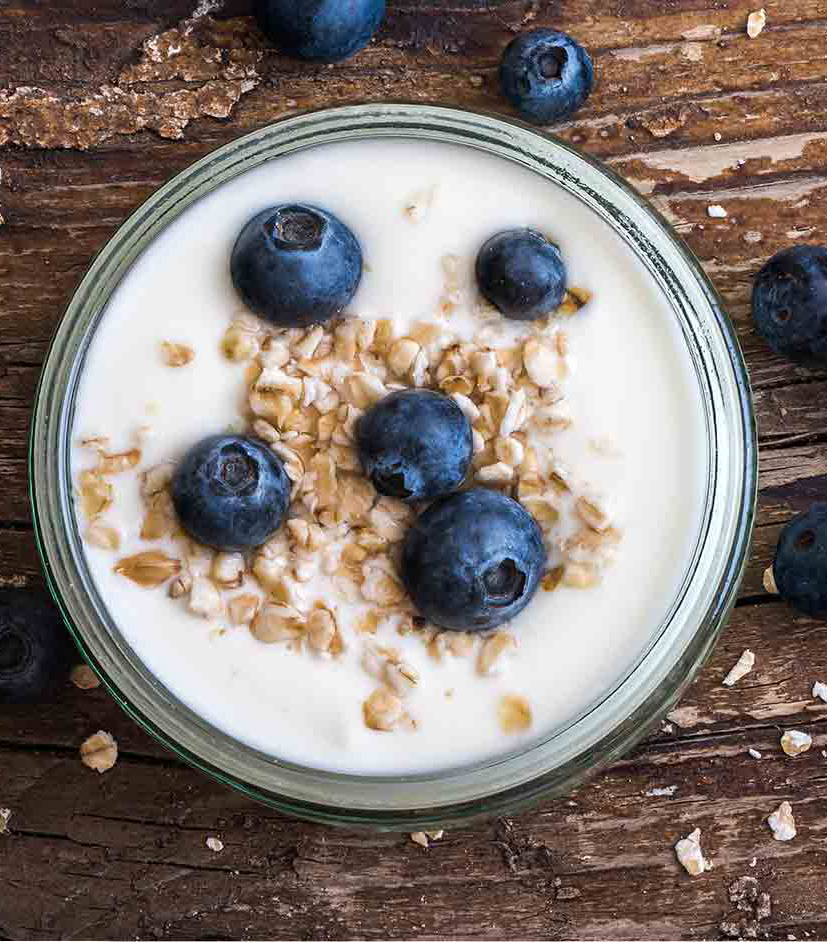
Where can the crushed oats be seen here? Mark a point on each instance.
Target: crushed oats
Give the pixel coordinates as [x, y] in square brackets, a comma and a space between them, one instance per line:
[96, 494]
[690, 855]
[103, 536]
[275, 623]
[754, 753]
[215, 845]
[99, 751]
[794, 742]
[205, 598]
[382, 710]
[243, 608]
[716, 212]
[149, 569]
[769, 581]
[820, 691]
[741, 668]
[84, 678]
[5, 815]
[495, 652]
[228, 570]
[514, 713]
[782, 822]
[176, 354]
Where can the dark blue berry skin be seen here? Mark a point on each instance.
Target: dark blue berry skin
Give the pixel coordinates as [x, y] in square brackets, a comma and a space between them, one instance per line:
[415, 445]
[296, 265]
[230, 493]
[800, 565]
[320, 30]
[522, 274]
[36, 652]
[789, 304]
[473, 560]
[546, 75]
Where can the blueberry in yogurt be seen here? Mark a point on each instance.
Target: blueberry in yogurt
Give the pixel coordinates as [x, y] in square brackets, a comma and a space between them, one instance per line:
[800, 565]
[230, 492]
[546, 75]
[473, 560]
[789, 304]
[321, 30]
[36, 652]
[522, 274]
[415, 444]
[296, 265]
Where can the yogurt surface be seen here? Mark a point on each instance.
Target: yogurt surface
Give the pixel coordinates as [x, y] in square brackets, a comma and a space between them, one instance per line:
[636, 442]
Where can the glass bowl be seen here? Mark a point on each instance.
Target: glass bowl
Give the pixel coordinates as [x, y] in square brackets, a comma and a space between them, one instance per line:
[622, 715]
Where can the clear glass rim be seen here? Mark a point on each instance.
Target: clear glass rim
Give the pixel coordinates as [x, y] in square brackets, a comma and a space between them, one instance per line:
[563, 759]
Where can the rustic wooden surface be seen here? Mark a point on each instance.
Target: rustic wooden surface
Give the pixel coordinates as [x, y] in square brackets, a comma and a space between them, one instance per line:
[95, 112]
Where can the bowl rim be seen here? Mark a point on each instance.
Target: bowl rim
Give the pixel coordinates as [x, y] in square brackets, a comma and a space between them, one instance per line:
[365, 121]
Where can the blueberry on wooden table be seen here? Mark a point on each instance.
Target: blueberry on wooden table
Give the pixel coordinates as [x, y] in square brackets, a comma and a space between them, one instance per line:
[789, 304]
[230, 492]
[296, 265]
[473, 560]
[546, 75]
[522, 274]
[414, 444]
[36, 652]
[799, 569]
[321, 30]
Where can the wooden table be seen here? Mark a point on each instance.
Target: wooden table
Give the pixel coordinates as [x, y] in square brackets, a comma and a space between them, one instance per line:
[102, 102]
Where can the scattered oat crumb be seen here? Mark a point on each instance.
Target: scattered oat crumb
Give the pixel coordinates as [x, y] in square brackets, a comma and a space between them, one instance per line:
[754, 753]
[5, 814]
[753, 862]
[667, 728]
[99, 751]
[756, 22]
[718, 136]
[782, 823]
[215, 844]
[422, 837]
[820, 690]
[476, 81]
[716, 212]
[794, 742]
[742, 667]
[769, 581]
[659, 792]
[690, 855]
[84, 677]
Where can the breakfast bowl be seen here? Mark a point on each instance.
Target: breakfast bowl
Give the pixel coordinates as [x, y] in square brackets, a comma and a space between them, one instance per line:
[599, 721]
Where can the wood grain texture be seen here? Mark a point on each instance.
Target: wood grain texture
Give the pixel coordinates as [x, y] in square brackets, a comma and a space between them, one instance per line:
[94, 115]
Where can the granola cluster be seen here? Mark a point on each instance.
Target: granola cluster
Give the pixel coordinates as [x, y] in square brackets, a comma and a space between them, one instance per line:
[306, 389]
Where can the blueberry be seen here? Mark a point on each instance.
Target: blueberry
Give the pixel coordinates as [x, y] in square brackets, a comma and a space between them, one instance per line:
[323, 30]
[415, 445]
[522, 274]
[546, 75]
[789, 304]
[36, 652]
[473, 560]
[800, 565]
[296, 265]
[230, 493]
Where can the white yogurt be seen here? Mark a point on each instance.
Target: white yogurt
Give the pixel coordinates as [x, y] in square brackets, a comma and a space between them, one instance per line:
[633, 391]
